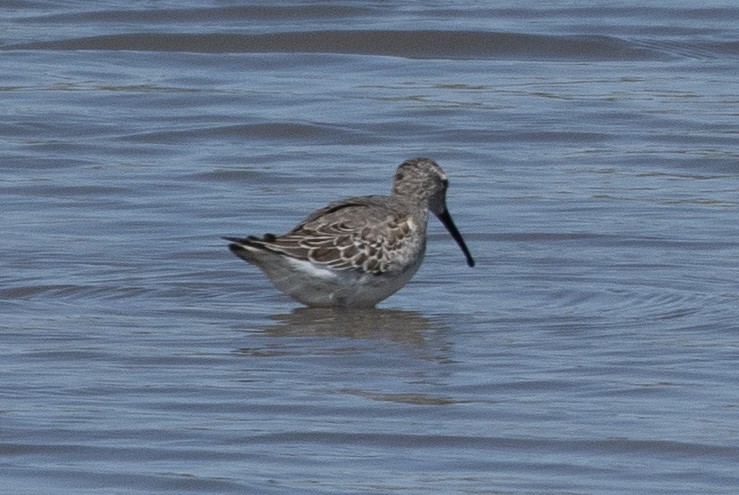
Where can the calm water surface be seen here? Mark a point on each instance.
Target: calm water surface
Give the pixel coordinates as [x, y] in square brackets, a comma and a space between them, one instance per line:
[594, 161]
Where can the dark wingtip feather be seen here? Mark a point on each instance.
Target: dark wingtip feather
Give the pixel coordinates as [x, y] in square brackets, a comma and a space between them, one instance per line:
[241, 245]
[237, 249]
[251, 239]
[236, 245]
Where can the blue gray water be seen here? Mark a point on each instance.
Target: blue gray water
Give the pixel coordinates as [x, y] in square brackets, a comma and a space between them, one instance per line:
[593, 157]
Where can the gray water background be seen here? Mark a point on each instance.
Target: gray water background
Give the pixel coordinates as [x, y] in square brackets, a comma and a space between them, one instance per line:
[593, 156]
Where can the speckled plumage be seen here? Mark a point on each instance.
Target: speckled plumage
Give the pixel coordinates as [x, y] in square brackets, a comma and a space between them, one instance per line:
[357, 251]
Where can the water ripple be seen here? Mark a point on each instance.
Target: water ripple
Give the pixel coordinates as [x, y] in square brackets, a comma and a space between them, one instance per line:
[427, 44]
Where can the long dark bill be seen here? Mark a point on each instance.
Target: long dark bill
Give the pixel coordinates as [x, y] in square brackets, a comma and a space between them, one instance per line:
[445, 218]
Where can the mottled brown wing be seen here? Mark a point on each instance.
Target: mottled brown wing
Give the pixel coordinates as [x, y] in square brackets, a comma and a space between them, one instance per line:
[349, 236]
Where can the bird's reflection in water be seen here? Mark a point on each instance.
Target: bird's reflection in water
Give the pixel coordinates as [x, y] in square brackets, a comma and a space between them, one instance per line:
[396, 325]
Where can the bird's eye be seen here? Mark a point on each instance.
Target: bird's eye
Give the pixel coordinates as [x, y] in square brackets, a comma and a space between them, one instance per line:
[445, 183]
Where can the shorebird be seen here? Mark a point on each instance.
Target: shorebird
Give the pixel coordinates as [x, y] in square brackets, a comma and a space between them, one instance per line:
[360, 250]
